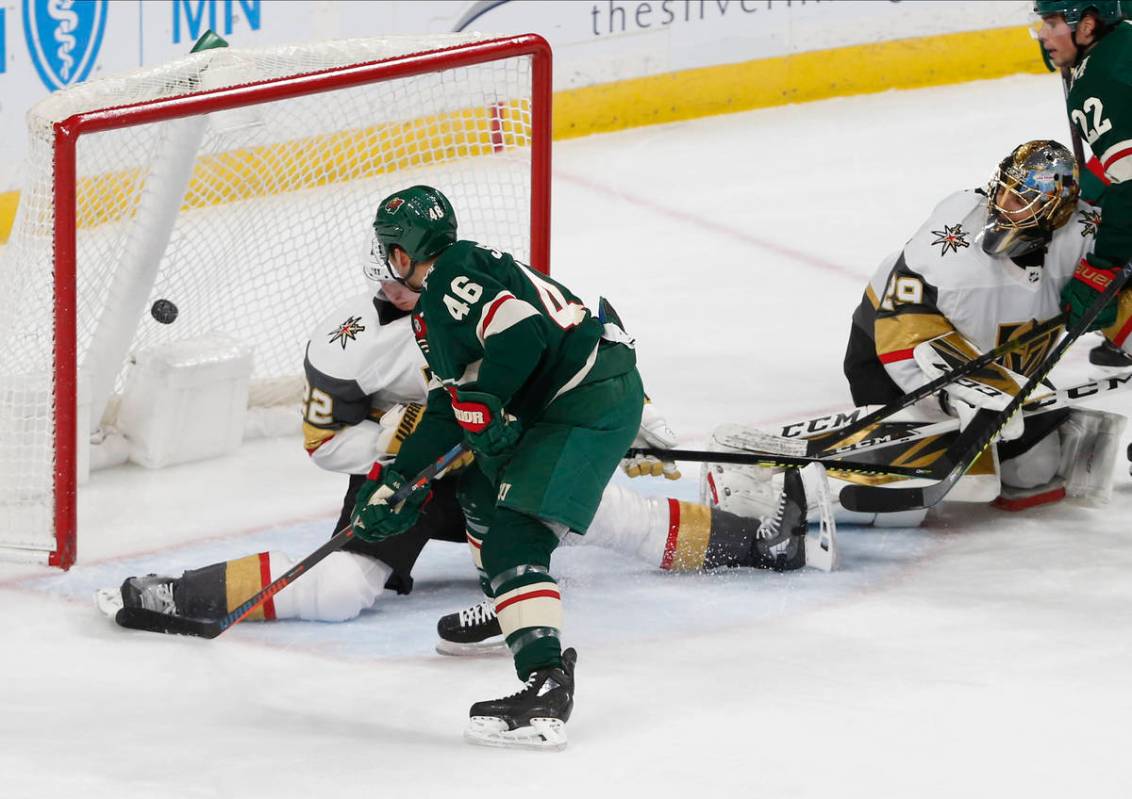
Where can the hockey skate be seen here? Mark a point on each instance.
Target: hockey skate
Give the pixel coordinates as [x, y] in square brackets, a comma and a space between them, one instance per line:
[533, 718]
[473, 631]
[1109, 357]
[781, 538]
[151, 592]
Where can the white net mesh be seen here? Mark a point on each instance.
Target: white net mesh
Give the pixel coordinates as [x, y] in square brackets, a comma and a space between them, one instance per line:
[252, 221]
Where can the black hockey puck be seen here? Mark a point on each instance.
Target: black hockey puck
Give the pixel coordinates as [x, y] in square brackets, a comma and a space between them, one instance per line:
[164, 311]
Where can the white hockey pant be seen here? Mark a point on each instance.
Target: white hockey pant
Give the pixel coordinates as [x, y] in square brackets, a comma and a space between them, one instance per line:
[628, 523]
[338, 588]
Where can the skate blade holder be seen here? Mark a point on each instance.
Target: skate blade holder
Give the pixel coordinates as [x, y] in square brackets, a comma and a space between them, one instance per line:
[544, 735]
[481, 649]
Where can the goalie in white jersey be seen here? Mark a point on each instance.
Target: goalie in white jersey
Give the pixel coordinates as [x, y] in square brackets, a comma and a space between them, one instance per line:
[987, 266]
[366, 379]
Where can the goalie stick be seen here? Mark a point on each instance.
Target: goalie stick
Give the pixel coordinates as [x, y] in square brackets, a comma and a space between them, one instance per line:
[891, 433]
[888, 434]
[979, 433]
[151, 620]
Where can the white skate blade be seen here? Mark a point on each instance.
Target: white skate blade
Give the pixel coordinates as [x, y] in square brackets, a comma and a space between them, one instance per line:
[546, 735]
[821, 550]
[492, 647]
[109, 601]
[821, 545]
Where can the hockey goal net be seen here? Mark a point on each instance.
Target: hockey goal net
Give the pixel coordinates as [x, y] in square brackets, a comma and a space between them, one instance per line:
[239, 185]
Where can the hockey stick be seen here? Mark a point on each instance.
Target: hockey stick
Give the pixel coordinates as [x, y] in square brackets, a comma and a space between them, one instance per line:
[142, 619]
[777, 460]
[892, 433]
[979, 433]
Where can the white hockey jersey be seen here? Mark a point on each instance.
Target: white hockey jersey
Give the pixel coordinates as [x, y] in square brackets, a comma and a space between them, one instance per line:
[942, 280]
[359, 364]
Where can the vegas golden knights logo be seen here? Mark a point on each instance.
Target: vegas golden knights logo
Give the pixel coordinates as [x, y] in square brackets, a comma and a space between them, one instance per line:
[1027, 358]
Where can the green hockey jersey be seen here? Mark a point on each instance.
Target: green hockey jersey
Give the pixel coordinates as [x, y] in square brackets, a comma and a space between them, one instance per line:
[488, 322]
[1100, 104]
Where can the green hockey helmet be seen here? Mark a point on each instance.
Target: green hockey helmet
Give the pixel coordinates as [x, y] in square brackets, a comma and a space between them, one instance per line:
[419, 220]
[1109, 12]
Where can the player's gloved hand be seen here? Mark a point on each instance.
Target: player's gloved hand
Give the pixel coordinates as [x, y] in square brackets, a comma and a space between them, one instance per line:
[374, 518]
[1079, 293]
[488, 429]
[965, 411]
[656, 433]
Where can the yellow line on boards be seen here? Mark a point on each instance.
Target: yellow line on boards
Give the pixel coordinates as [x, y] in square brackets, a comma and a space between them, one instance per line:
[898, 64]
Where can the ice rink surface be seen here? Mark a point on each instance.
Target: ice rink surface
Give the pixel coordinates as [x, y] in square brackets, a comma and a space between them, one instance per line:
[986, 654]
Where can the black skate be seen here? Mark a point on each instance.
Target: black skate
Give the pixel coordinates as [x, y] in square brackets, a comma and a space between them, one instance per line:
[780, 543]
[152, 592]
[473, 631]
[1109, 356]
[533, 718]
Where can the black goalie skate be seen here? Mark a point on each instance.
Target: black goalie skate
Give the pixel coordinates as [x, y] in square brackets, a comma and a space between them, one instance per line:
[533, 718]
[472, 631]
[781, 540]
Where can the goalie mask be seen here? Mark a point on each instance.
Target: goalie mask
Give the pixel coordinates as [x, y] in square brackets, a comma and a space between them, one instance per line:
[1032, 194]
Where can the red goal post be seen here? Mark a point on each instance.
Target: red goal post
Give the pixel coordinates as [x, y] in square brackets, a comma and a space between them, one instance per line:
[497, 134]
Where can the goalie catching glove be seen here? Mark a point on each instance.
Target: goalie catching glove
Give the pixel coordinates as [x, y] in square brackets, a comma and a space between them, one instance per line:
[488, 429]
[654, 432]
[374, 518]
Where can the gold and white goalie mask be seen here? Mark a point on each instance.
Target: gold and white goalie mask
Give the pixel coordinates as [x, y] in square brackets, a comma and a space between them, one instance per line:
[1033, 193]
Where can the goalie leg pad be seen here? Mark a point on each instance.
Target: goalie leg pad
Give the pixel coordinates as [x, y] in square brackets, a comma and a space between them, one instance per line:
[1035, 467]
[1090, 440]
[1031, 478]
